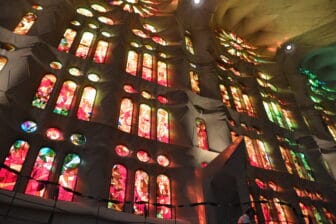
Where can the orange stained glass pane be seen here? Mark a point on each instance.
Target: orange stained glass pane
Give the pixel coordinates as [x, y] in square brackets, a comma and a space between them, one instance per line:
[67, 40]
[189, 45]
[141, 192]
[162, 126]
[100, 55]
[194, 82]
[118, 187]
[44, 90]
[14, 160]
[163, 196]
[54, 134]
[25, 24]
[41, 171]
[144, 127]
[86, 104]
[147, 67]
[132, 62]
[84, 45]
[202, 136]
[129, 89]
[65, 98]
[125, 116]
[225, 95]
[3, 62]
[162, 73]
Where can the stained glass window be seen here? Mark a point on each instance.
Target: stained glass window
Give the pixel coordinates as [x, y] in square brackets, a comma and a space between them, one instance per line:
[202, 136]
[296, 163]
[106, 20]
[67, 40]
[86, 104]
[258, 153]
[125, 116]
[28, 126]
[68, 176]
[163, 160]
[14, 160]
[44, 90]
[275, 211]
[143, 156]
[141, 192]
[54, 134]
[122, 150]
[84, 45]
[189, 45]
[129, 89]
[144, 128]
[162, 126]
[84, 12]
[41, 171]
[163, 197]
[100, 55]
[194, 82]
[3, 62]
[225, 95]
[56, 65]
[132, 62]
[118, 187]
[25, 24]
[162, 73]
[78, 139]
[65, 98]
[147, 67]
[242, 101]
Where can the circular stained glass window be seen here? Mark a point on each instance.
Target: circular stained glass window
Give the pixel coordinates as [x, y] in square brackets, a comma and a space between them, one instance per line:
[55, 65]
[54, 134]
[106, 20]
[75, 71]
[163, 160]
[75, 23]
[162, 99]
[140, 33]
[135, 44]
[149, 28]
[93, 26]
[99, 8]
[29, 126]
[93, 77]
[129, 89]
[146, 95]
[143, 156]
[84, 12]
[37, 7]
[122, 150]
[106, 34]
[77, 139]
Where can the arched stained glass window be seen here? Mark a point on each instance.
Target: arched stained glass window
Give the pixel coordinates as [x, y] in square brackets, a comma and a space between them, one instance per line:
[14, 160]
[125, 116]
[258, 153]
[44, 90]
[25, 24]
[189, 45]
[147, 67]
[202, 136]
[141, 192]
[86, 104]
[118, 187]
[132, 62]
[3, 62]
[162, 73]
[100, 55]
[65, 98]
[194, 82]
[163, 196]
[84, 45]
[68, 176]
[67, 40]
[162, 134]
[41, 171]
[144, 128]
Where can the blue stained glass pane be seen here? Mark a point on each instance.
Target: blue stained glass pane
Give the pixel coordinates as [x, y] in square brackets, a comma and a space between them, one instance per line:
[29, 126]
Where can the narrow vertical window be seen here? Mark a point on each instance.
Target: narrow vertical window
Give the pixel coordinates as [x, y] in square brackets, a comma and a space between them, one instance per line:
[125, 116]
[86, 104]
[189, 45]
[194, 82]
[141, 192]
[44, 90]
[84, 45]
[202, 136]
[225, 95]
[100, 55]
[162, 126]
[67, 40]
[258, 153]
[25, 24]
[237, 99]
[249, 106]
[163, 196]
[162, 73]
[3, 62]
[41, 171]
[68, 176]
[14, 160]
[118, 187]
[147, 67]
[144, 121]
[65, 98]
[132, 62]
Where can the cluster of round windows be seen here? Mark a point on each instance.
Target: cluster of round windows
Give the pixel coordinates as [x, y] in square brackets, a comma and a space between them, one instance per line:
[145, 94]
[53, 134]
[75, 71]
[141, 155]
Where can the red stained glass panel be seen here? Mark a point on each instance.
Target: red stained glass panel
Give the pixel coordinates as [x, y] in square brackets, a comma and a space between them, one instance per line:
[132, 62]
[67, 40]
[162, 126]
[144, 121]
[44, 90]
[163, 197]
[86, 104]
[125, 116]
[68, 177]
[65, 98]
[118, 187]
[100, 55]
[202, 135]
[25, 24]
[141, 192]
